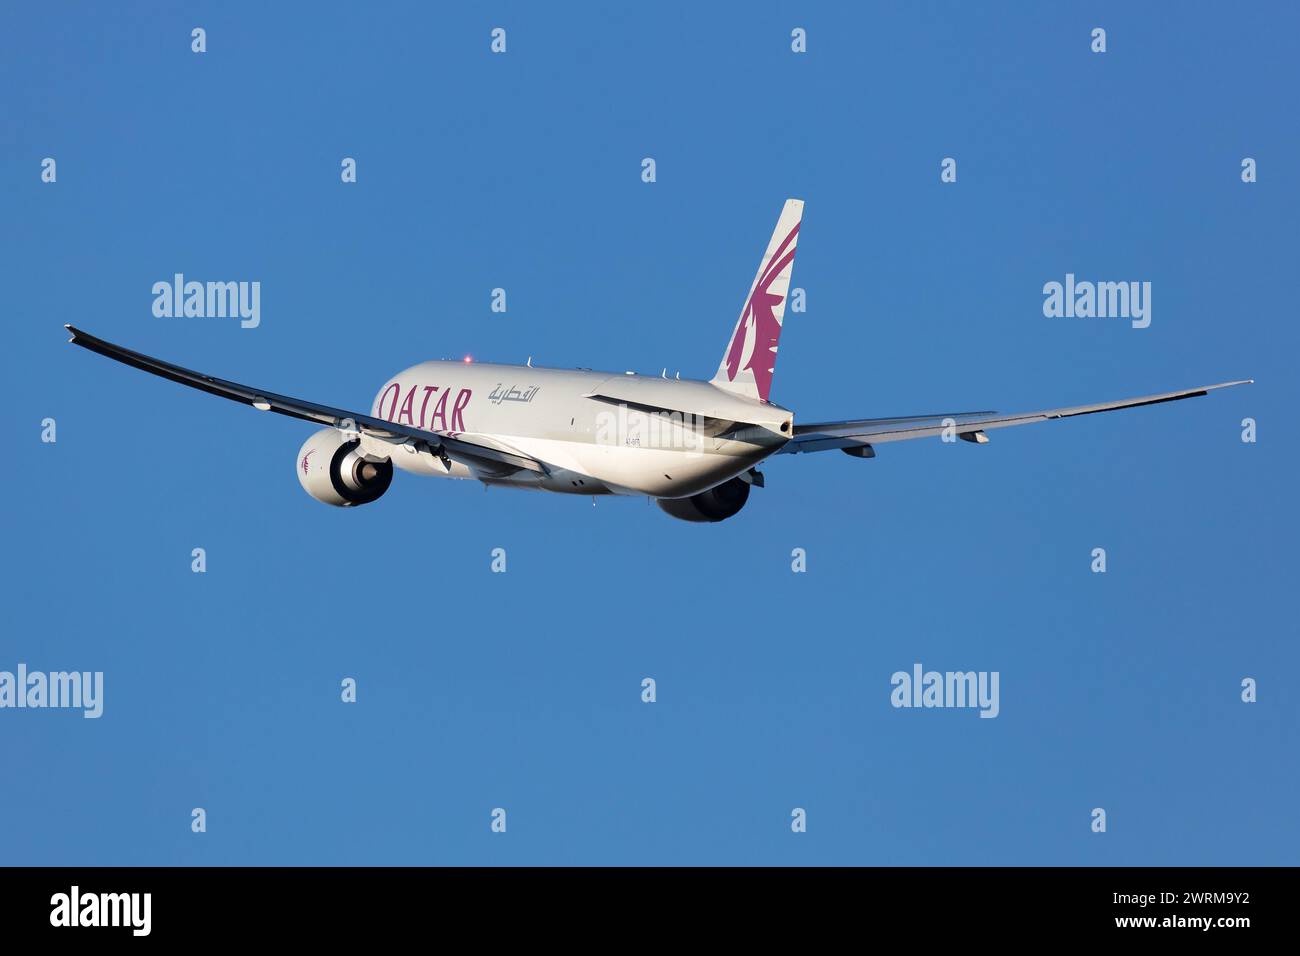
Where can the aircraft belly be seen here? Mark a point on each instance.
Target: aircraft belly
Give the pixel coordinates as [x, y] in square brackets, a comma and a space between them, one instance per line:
[658, 472]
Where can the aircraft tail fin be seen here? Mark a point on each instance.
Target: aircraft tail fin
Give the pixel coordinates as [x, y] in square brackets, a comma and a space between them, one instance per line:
[750, 360]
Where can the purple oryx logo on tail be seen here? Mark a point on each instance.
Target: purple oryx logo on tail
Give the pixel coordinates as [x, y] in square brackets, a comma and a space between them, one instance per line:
[754, 342]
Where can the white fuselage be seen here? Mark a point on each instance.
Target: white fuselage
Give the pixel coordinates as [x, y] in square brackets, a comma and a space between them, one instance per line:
[598, 432]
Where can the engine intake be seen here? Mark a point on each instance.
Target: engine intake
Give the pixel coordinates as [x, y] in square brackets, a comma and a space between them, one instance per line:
[333, 469]
[718, 503]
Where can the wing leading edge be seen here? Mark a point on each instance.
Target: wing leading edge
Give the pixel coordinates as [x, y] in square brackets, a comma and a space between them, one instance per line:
[850, 435]
[457, 447]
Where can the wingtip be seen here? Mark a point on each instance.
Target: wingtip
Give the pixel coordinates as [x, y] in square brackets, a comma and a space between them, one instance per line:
[1240, 381]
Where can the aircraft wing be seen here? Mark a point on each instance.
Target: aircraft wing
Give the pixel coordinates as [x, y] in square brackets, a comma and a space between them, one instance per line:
[971, 426]
[475, 452]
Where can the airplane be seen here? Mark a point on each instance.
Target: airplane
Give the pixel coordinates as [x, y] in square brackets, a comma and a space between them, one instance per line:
[691, 446]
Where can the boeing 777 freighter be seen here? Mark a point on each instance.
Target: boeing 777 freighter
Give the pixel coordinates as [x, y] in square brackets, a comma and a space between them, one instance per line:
[693, 446]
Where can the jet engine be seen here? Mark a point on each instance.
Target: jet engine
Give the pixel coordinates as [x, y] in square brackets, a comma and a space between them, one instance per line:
[719, 502]
[333, 469]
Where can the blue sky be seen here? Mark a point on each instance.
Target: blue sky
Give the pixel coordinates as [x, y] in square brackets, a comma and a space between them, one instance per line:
[522, 690]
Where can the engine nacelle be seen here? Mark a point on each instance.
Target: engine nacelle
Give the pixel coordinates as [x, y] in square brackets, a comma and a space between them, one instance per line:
[719, 502]
[333, 469]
